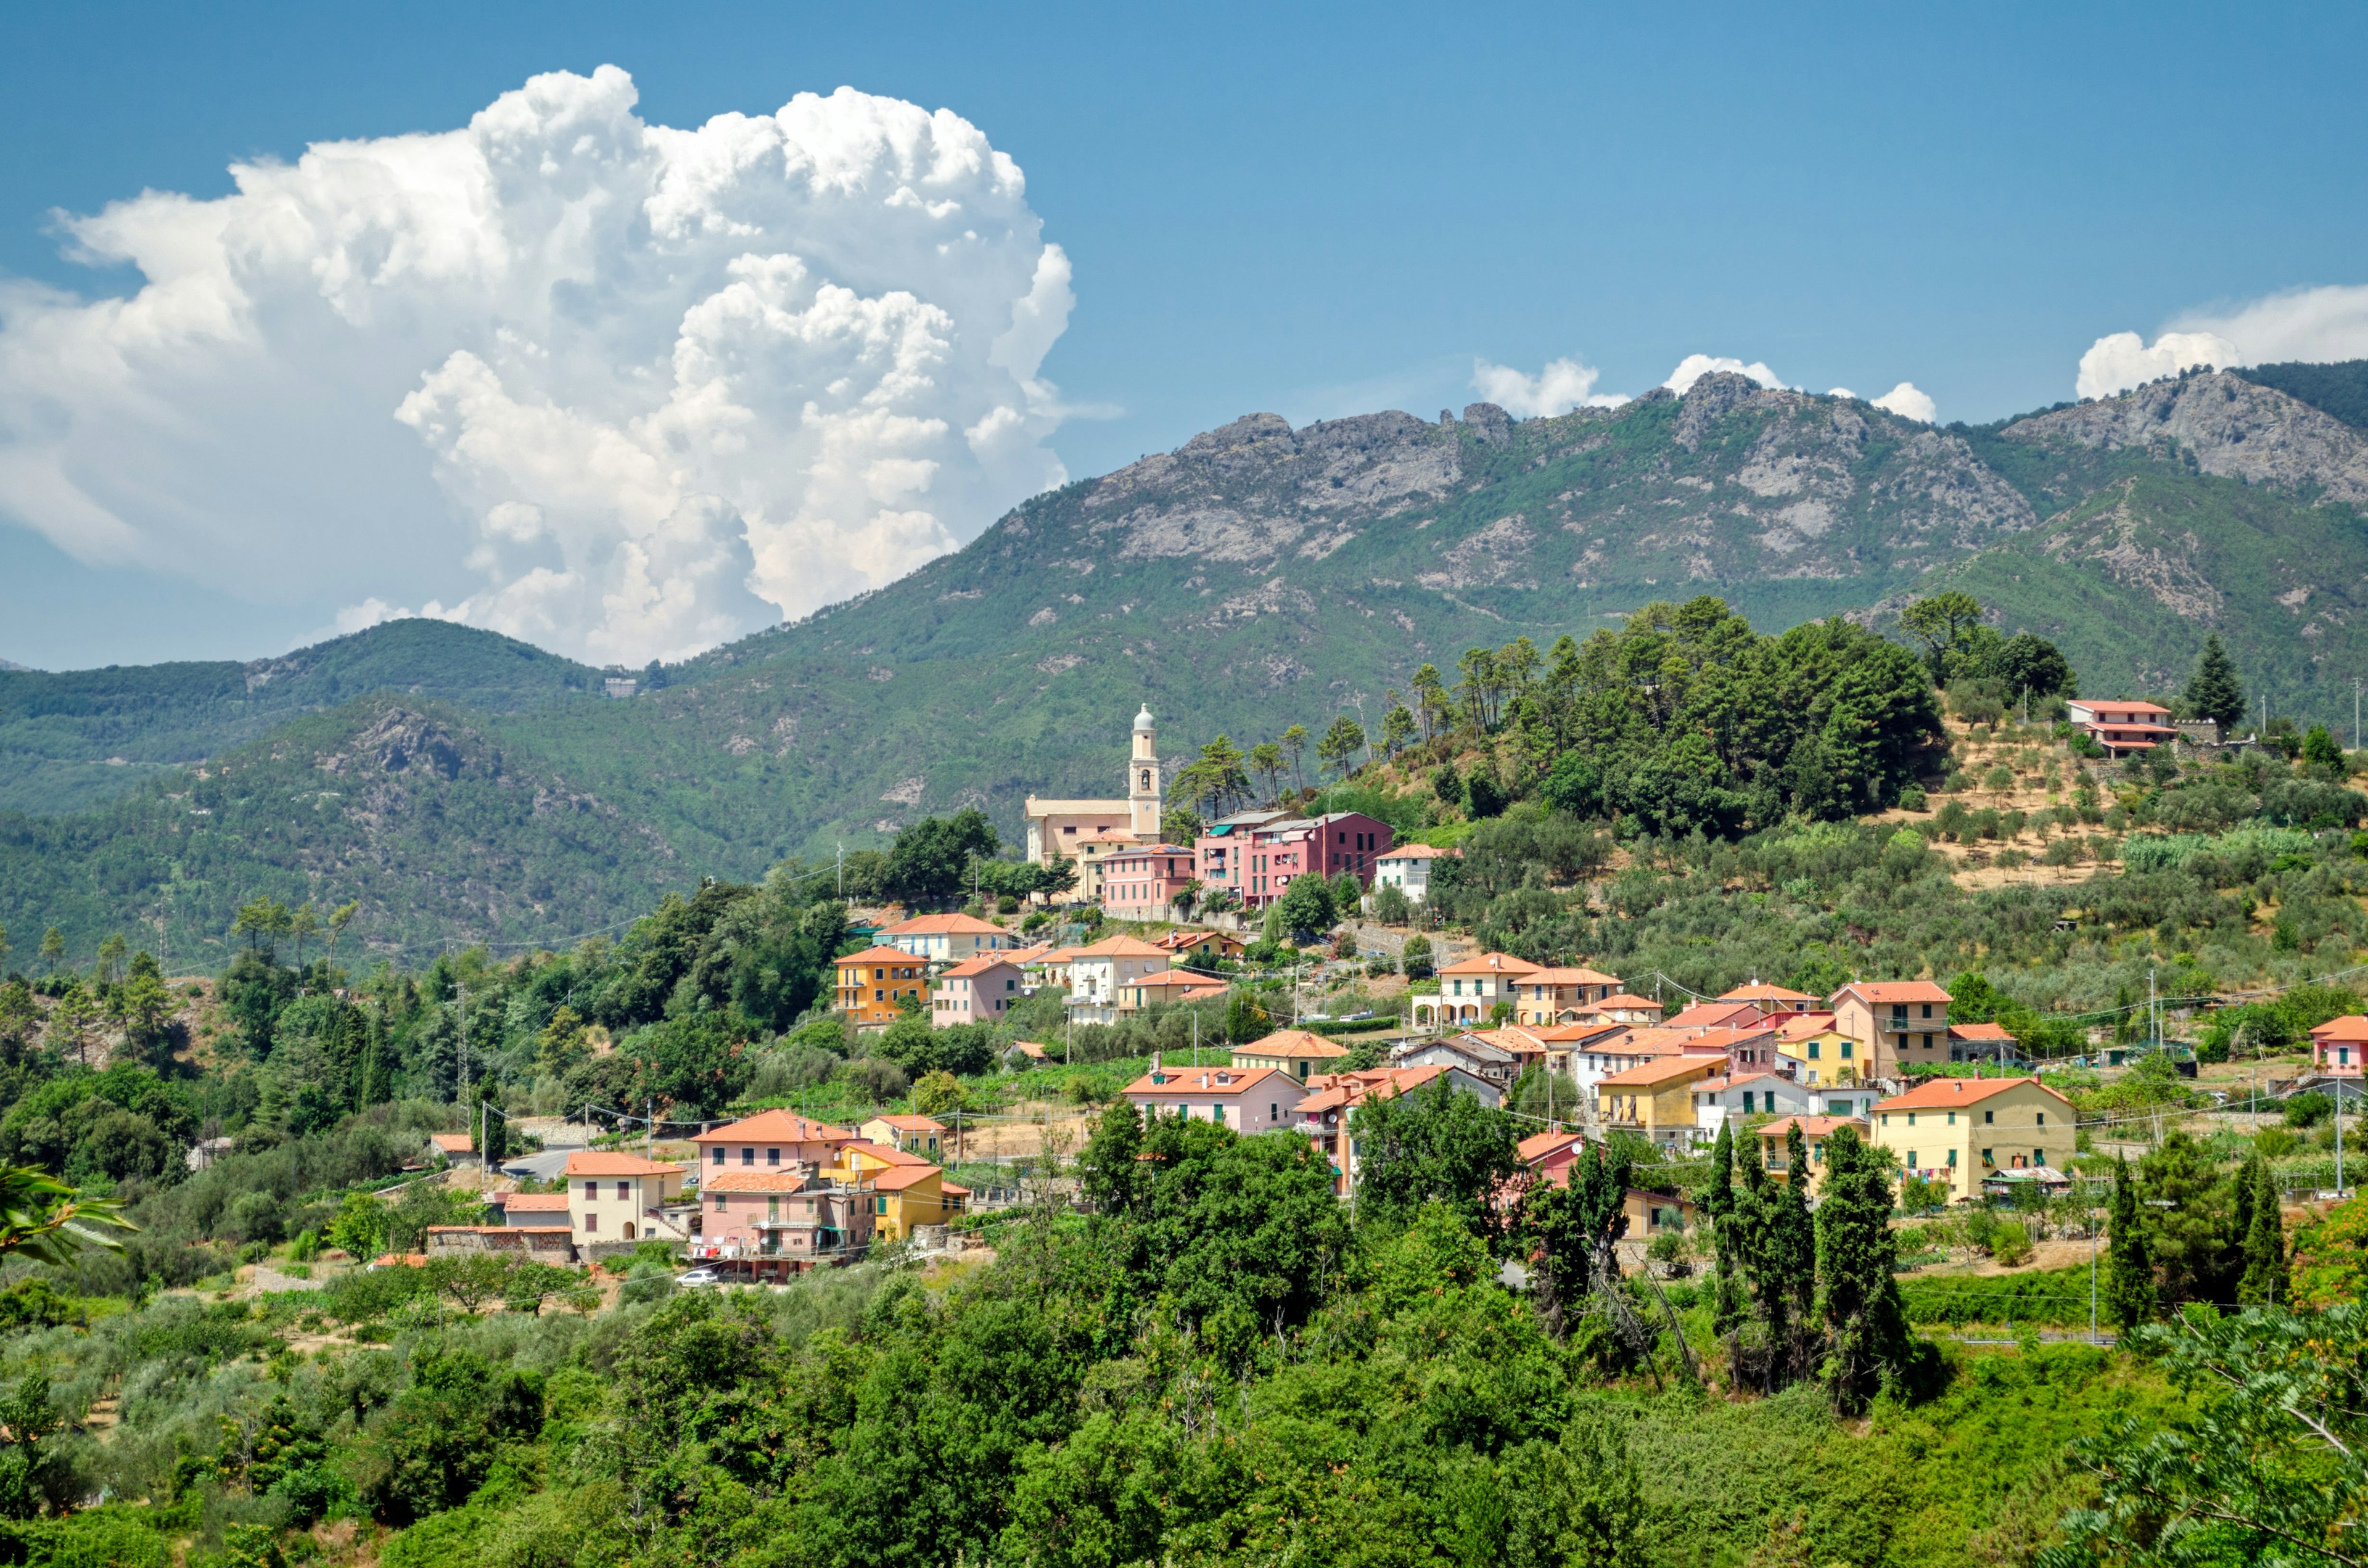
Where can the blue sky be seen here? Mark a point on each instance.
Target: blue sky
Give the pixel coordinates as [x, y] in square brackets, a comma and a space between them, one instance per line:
[1328, 211]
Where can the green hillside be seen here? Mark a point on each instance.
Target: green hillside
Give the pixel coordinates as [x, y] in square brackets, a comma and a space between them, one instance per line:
[1258, 576]
[70, 740]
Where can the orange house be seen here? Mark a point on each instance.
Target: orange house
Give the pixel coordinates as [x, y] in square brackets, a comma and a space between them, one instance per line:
[872, 983]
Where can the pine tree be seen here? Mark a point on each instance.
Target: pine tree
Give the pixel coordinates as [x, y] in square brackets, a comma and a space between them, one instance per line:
[496, 1142]
[1858, 1297]
[376, 1077]
[2263, 1283]
[2130, 1295]
[2214, 691]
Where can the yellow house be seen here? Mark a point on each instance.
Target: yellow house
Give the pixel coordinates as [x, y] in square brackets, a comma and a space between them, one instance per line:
[1960, 1130]
[1656, 1097]
[903, 1189]
[873, 983]
[913, 1134]
[1821, 1058]
[1296, 1053]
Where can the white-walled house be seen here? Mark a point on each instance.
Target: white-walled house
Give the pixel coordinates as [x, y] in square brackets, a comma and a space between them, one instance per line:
[1773, 1094]
[1407, 869]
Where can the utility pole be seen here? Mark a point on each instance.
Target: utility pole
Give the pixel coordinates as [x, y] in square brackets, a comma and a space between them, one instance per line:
[463, 993]
[842, 871]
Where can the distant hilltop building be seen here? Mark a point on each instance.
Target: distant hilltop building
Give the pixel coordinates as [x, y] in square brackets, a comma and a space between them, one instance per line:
[623, 686]
[1088, 831]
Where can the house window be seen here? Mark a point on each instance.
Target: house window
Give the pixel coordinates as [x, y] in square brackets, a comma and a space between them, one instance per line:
[1986, 1158]
[2043, 1118]
[1846, 1049]
[1747, 1102]
[1928, 1039]
[1928, 1009]
[591, 1191]
[1911, 1159]
[1911, 1122]
[591, 1223]
[721, 1203]
[2039, 1157]
[1812, 1050]
[624, 1192]
[719, 1153]
[1989, 1116]
[1953, 1118]
[772, 1156]
[749, 1156]
[1952, 1159]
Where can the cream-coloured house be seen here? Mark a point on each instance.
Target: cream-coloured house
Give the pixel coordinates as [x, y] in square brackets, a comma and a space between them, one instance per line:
[1470, 989]
[1083, 830]
[619, 1197]
[1298, 1052]
[1096, 973]
[1962, 1130]
[947, 938]
[1896, 1023]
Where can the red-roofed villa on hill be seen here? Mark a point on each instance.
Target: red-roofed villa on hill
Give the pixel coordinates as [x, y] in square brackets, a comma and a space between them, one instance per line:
[2122, 727]
[1898, 1023]
[2339, 1045]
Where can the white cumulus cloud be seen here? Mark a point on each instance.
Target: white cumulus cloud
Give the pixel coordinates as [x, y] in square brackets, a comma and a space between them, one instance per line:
[2320, 324]
[618, 388]
[1694, 367]
[1908, 401]
[1563, 385]
[2121, 361]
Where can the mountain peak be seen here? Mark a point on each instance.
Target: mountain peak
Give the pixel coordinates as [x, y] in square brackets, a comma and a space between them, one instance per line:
[2234, 427]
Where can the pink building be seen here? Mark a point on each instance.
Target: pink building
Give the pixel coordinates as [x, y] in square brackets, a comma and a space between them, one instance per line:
[1256, 853]
[1248, 1099]
[792, 1214]
[2119, 726]
[975, 991]
[1142, 881]
[2341, 1045]
[771, 1141]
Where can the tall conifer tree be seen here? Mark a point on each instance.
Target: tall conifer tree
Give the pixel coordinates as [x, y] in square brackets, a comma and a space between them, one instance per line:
[2130, 1295]
[2214, 691]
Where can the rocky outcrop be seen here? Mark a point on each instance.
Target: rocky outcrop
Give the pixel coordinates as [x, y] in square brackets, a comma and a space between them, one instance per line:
[1250, 491]
[2231, 427]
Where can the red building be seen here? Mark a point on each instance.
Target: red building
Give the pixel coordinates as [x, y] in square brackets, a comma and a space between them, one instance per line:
[1256, 853]
[2122, 727]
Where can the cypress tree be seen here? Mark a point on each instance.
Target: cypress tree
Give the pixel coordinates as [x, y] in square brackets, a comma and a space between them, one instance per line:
[2130, 1295]
[377, 1071]
[497, 1126]
[2263, 1283]
[1793, 1249]
[2214, 691]
[1718, 1205]
[1858, 1297]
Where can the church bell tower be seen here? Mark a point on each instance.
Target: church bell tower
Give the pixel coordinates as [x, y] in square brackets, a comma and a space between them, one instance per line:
[1143, 794]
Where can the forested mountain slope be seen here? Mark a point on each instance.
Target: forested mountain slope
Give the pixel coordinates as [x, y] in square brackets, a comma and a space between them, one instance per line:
[1256, 577]
[69, 740]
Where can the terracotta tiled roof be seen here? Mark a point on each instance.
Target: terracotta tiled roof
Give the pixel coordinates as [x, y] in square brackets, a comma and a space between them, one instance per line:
[1123, 948]
[1980, 1031]
[882, 1154]
[726, 1180]
[1169, 977]
[1539, 1145]
[1418, 852]
[1714, 1014]
[1205, 1081]
[909, 1123]
[980, 964]
[534, 1202]
[943, 925]
[1666, 1069]
[1764, 994]
[1894, 991]
[1291, 1043]
[1569, 977]
[777, 1127]
[2347, 1029]
[1627, 1001]
[898, 1177]
[1800, 1026]
[1491, 963]
[1811, 1126]
[585, 1162]
[453, 1143]
[1947, 1094]
[877, 955]
[1580, 1034]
